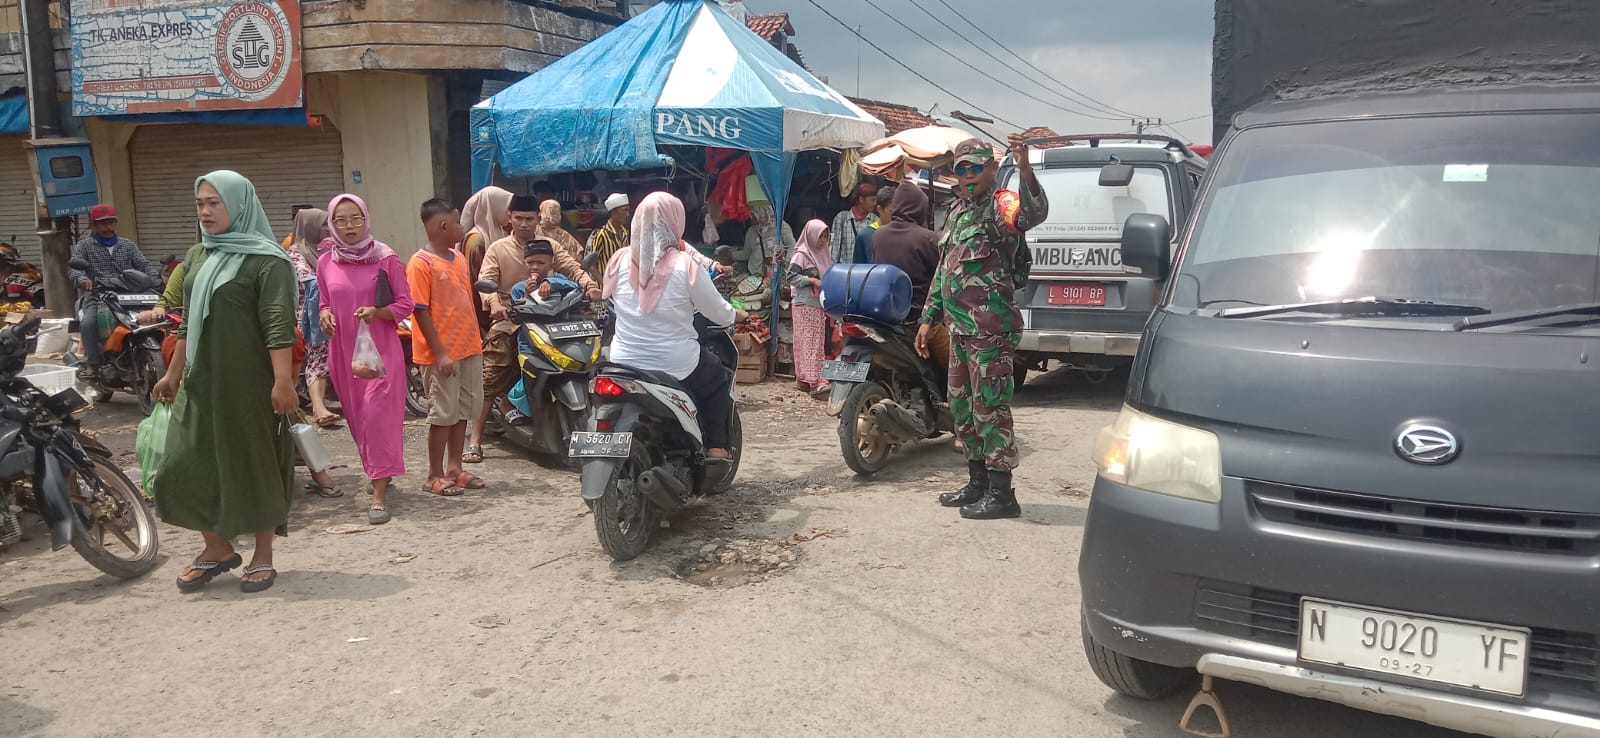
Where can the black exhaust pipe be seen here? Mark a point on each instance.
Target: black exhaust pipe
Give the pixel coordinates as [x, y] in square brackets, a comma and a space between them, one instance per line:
[896, 422]
[663, 488]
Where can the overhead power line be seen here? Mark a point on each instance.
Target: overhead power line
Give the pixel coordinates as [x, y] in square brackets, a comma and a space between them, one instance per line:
[908, 68]
[975, 68]
[1035, 68]
[1096, 109]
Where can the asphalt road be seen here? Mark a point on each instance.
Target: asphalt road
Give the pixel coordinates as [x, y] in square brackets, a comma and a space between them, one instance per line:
[806, 602]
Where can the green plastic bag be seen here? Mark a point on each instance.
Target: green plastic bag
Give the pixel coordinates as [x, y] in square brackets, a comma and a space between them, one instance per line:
[150, 444]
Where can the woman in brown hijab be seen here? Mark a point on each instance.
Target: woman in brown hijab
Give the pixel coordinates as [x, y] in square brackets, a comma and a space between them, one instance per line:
[550, 229]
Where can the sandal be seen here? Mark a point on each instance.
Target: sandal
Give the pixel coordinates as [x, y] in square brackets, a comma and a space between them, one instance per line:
[260, 585]
[444, 487]
[472, 454]
[328, 421]
[212, 570]
[327, 492]
[470, 481]
[378, 515]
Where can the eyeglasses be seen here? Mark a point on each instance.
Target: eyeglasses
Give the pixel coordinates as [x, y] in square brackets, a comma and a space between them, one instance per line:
[967, 168]
[355, 221]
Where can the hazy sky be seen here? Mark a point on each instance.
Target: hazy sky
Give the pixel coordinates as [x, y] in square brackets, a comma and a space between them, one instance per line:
[1148, 57]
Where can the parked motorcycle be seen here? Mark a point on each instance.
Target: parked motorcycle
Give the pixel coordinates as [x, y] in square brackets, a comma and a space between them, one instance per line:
[130, 352]
[555, 375]
[416, 385]
[884, 394]
[47, 466]
[641, 449]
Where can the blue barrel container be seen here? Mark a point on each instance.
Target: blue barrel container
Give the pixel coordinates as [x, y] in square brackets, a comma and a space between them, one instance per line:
[878, 293]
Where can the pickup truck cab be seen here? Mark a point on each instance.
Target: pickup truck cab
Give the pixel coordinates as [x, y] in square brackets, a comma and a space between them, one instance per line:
[1080, 307]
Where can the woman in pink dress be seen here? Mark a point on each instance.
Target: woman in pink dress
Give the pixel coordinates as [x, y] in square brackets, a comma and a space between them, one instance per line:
[349, 273]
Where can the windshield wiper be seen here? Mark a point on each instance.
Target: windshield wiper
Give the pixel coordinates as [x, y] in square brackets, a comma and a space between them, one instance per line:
[1586, 308]
[1380, 306]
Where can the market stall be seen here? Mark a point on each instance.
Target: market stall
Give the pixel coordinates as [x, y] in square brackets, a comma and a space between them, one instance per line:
[683, 72]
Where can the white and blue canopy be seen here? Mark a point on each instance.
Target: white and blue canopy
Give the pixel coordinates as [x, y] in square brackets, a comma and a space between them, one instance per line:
[683, 72]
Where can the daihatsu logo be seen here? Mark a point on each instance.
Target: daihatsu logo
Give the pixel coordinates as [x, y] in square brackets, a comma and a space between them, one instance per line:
[1426, 444]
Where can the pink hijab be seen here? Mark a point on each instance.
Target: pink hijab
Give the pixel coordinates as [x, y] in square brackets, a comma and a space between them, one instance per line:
[364, 251]
[656, 242]
[810, 250]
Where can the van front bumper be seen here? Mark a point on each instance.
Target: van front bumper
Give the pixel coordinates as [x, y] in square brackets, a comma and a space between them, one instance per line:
[1079, 342]
[1451, 711]
[1215, 587]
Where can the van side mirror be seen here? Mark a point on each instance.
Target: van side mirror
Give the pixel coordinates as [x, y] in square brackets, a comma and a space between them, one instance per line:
[1147, 244]
[1116, 174]
[486, 286]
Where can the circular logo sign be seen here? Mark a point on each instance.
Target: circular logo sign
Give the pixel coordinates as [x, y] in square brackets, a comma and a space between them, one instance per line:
[253, 45]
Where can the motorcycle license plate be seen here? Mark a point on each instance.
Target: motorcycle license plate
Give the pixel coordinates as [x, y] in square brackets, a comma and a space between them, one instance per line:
[586, 445]
[574, 329]
[139, 299]
[845, 371]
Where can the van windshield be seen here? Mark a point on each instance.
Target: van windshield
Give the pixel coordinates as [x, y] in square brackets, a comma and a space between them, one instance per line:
[1081, 209]
[1499, 211]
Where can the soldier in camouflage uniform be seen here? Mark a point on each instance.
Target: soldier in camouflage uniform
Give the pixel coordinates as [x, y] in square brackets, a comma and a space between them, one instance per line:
[984, 262]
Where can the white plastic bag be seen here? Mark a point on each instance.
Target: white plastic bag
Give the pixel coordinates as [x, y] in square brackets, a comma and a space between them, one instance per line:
[366, 362]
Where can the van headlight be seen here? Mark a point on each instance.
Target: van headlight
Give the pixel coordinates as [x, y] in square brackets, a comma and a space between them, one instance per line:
[1156, 455]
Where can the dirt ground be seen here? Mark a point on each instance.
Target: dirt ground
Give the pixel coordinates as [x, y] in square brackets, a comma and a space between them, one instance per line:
[805, 602]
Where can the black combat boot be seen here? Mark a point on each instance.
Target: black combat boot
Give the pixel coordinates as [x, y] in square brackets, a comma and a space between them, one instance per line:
[999, 501]
[977, 482]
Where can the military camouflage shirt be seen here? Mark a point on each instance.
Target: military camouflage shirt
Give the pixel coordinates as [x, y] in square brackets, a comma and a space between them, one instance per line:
[974, 286]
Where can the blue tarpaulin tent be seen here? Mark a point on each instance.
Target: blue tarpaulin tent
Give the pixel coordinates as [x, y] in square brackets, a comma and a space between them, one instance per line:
[683, 72]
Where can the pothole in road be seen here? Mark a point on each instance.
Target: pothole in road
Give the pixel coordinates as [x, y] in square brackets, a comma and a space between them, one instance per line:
[744, 560]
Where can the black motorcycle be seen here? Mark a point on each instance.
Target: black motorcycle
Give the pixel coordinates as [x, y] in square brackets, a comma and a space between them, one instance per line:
[884, 394]
[642, 452]
[49, 467]
[130, 352]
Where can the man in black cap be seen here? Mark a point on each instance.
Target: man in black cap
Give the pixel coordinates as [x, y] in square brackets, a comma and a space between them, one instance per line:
[504, 264]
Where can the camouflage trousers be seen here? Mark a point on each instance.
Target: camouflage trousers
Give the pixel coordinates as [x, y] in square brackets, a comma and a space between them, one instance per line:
[980, 397]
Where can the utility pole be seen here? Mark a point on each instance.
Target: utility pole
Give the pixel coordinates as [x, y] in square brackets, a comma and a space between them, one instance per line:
[1139, 126]
[44, 116]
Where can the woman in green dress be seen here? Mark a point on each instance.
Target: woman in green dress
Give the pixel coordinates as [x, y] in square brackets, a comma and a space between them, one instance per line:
[229, 455]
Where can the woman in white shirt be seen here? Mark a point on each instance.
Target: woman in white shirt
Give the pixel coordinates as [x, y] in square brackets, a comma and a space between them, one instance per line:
[656, 285]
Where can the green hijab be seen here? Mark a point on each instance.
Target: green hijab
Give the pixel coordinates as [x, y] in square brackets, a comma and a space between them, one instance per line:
[248, 233]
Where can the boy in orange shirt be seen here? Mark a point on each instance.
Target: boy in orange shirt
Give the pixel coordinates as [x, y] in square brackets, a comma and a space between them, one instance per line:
[451, 351]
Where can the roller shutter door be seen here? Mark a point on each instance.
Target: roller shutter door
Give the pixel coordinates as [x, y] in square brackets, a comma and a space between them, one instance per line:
[18, 220]
[289, 166]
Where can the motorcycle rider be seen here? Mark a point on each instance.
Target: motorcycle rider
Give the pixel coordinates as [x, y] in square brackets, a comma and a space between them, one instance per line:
[540, 257]
[656, 286]
[107, 254]
[904, 241]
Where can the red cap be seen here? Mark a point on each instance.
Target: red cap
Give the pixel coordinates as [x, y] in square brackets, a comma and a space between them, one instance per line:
[102, 212]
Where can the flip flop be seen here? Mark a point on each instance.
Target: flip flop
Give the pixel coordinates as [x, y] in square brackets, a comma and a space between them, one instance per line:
[331, 421]
[325, 492]
[378, 515]
[444, 487]
[263, 585]
[472, 454]
[472, 482]
[212, 570]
